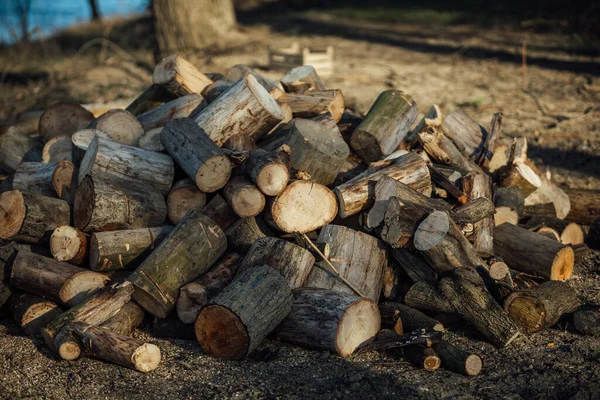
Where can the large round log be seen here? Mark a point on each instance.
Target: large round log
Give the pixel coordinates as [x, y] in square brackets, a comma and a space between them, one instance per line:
[326, 320]
[69, 244]
[244, 313]
[120, 126]
[63, 119]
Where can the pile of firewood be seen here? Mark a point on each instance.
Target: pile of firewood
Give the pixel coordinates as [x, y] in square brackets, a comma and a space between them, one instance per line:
[230, 207]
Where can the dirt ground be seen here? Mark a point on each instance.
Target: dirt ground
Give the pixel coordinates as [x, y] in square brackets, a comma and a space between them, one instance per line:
[472, 67]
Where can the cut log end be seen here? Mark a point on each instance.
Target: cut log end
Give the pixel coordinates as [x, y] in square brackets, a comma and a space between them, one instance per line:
[221, 333]
[213, 174]
[12, 213]
[431, 363]
[263, 97]
[272, 179]
[473, 365]
[360, 322]
[562, 266]
[146, 358]
[68, 244]
[80, 286]
[499, 270]
[69, 350]
[527, 311]
[248, 201]
[82, 209]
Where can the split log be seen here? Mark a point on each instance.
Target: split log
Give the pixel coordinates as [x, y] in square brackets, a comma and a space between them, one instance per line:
[414, 265]
[467, 293]
[123, 165]
[402, 220]
[269, 170]
[69, 244]
[126, 249]
[386, 125]
[358, 194]
[214, 90]
[244, 313]
[302, 79]
[64, 181]
[243, 233]
[34, 178]
[476, 186]
[466, 134]
[568, 232]
[194, 295]
[179, 76]
[63, 119]
[303, 206]
[245, 198]
[31, 312]
[358, 257]
[161, 115]
[473, 211]
[587, 321]
[412, 319]
[105, 345]
[219, 211]
[440, 179]
[16, 148]
[189, 250]
[55, 280]
[239, 142]
[102, 207]
[120, 126]
[152, 97]
[592, 239]
[533, 254]
[293, 262]
[311, 104]
[422, 357]
[331, 321]
[425, 296]
[584, 205]
[458, 360]
[442, 150]
[125, 322]
[31, 218]
[56, 149]
[246, 108]
[196, 153]
[184, 196]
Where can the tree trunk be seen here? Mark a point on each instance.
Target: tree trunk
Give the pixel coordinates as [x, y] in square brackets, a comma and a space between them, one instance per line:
[95, 10]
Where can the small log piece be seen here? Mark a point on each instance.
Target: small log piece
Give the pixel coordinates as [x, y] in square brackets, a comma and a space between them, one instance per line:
[422, 357]
[401, 221]
[239, 142]
[440, 179]
[214, 90]
[31, 312]
[443, 150]
[458, 360]
[425, 296]
[151, 140]
[585, 207]
[81, 141]
[239, 71]
[161, 115]
[179, 76]
[412, 319]
[63, 119]
[120, 126]
[568, 232]
[69, 244]
[64, 181]
[16, 148]
[476, 186]
[243, 233]
[311, 104]
[184, 196]
[34, 178]
[269, 170]
[245, 198]
[56, 149]
[466, 134]
[125, 322]
[473, 211]
[220, 212]
[302, 79]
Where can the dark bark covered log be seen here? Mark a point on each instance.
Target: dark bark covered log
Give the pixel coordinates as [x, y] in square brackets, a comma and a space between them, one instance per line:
[63, 119]
[467, 293]
[179, 76]
[422, 357]
[34, 178]
[476, 186]
[293, 262]
[303, 206]
[415, 266]
[161, 115]
[473, 211]
[31, 218]
[331, 321]
[587, 321]
[386, 125]
[122, 165]
[584, 205]
[191, 249]
[466, 134]
[69, 244]
[53, 279]
[358, 257]
[442, 150]
[103, 207]
[569, 232]
[125, 249]
[439, 179]
[246, 108]
[412, 319]
[220, 212]
[311, 104]
[152, 97]
[541, 307]
[184, 196]
[244, 313]
[425, 296]
[533, 254]
[540, 210]
[16, 148]
[56, 149]
[243, 233]
[120, 126]
[196, 153]
[390, 319]
[125, 322]
[194, 295]
[302, 79]
[64, 181]
[31, 312]
[245, 198]
[458, 360]
[358, 194]
[269, 170]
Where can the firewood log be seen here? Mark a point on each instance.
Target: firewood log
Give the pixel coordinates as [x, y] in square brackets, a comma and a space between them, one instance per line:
[126, 320]
[69, 244]
[63, 119]
[81, 141]
[293, 262]
[315, 204]
[351, 168]
[466, 134]
[56, 149]
[425, 296]
[161, 115]
[584, 205]
[53, 279]
[203, 162]
[244, 313]
[444, 151]
[31, 218]
[102, 207]
[412, 319]
[533, 254]
[510, 204]
[120, 126]
[401, 221]
[239, 142]
[473, 211]
[245, 108]
[467, 293]
[269, 170]
[587, 321]
[31, 312]
[243, 233]
[214, 90]
[34, 178]
[105, 345]
[592, 239]
[422, 357]
[189, 250]
[238, 72]
[458, 360]
[245, 198]
[302, 79]
[152, 97]
[386, 125]
[126, 249]
[64, 181]
[311, 104]
[568, 232]
[16, 148]
[358, 194]
[194, 295]
[184, 196]
[540, 210]
[326, 320]
[123, 165]
[179, 76]
[220, 212]
[542, 306]
[358, 257]
[151, 140]
[440, 179]
[476, 186]
[415, 266]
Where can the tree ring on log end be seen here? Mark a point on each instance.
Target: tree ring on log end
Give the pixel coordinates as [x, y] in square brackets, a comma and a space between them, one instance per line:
[528, 311]
[432, 363]
[272, 179]
[248, 201]
[12, 213]
[80, 286]
[473, 365]
[221, 334]
[213, 174]
[360, 322]
[146, 357]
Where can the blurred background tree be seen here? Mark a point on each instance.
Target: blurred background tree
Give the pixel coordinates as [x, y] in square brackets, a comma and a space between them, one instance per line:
[95, 11]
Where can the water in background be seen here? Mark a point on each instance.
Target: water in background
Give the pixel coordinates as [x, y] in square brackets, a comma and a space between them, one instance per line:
[48, 16]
